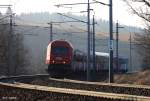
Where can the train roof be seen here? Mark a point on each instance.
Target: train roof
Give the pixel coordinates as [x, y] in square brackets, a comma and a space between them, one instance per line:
[96, 53]
[59, 40]
[102, 54]
[107, 55]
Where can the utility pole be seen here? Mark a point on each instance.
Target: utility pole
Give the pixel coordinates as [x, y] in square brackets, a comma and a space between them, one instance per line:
[88, 27]
[94, 62]
[130, 52]
[91, 39]
[111, 71]
[51, 31]
[10, 43]
[88, 41]
[117, 38]
[53, 23]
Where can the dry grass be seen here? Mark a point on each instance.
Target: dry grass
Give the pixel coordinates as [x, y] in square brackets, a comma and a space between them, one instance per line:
[141, 78]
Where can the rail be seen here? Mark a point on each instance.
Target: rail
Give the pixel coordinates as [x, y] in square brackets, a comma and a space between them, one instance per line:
[53, 92]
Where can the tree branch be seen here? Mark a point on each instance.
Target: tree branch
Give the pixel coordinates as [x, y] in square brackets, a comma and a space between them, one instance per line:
[146, 2]
[136, 12]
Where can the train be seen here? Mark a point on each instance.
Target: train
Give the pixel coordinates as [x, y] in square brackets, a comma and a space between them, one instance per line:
[101, 62]
[59, 57]
[62, 58]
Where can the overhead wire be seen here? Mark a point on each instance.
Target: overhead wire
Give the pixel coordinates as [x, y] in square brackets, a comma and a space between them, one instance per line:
[72, 26]
[28, 30]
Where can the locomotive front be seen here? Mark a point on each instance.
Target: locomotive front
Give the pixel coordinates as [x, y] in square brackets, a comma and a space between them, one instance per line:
[59, 57]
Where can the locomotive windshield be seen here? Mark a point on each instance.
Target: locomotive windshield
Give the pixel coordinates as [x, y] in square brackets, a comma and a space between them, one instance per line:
[59, 51]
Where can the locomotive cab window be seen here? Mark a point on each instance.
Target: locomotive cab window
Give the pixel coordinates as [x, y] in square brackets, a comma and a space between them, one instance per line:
[60, 51]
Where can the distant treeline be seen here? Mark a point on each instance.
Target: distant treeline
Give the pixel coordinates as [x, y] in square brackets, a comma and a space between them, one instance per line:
[44, 17]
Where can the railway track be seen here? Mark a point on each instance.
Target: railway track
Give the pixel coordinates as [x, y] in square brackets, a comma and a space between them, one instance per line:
[23, 78]
[27, 92]
[128, 91]
[140, 90]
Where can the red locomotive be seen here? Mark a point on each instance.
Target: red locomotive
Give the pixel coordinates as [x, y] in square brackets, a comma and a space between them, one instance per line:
[59, 56]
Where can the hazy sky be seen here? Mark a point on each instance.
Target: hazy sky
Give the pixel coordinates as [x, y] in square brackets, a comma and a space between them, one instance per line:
[120, 10]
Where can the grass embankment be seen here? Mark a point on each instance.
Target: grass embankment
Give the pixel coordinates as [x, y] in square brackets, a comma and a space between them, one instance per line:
[140, 78]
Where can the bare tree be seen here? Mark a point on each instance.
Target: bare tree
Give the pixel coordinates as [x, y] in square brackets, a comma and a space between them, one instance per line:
[140, 8]
[142, 40]
[143, 47]
[3, 49]
[20, 52]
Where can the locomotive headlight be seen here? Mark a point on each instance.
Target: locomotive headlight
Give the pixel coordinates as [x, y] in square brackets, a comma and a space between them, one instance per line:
[53, 61]
[64, 62]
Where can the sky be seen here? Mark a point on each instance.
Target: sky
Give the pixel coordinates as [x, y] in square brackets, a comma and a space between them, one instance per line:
[121, 11]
